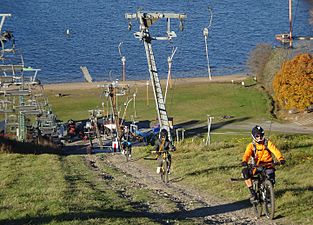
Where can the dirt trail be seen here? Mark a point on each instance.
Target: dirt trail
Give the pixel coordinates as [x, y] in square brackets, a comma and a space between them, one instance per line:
[186, 204]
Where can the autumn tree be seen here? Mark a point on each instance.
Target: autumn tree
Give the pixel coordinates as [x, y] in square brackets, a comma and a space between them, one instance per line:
[293, 83]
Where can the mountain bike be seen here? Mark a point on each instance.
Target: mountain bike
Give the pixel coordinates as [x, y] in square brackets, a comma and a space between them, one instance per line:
[264, 189]
[164, 163]
[164, 166]
[126, 146]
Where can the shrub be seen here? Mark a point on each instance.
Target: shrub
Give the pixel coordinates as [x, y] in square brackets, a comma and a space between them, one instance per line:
[275, 61]
[258, 58]
[293, 84]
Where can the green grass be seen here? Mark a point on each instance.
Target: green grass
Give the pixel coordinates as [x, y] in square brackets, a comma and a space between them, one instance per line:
[52, 189]
[184, 103]
[75, 104]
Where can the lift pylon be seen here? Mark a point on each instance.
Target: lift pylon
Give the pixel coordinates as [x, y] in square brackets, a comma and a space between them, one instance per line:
[146, 19]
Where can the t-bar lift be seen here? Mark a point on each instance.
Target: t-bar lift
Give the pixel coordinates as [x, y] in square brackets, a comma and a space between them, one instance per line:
[146, 19]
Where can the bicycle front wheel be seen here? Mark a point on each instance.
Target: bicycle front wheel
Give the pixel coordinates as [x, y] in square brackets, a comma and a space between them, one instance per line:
[269, 201]
[164, 172]
[127, 153]
[257, 205]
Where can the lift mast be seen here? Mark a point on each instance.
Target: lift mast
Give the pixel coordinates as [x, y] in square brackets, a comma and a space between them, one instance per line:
[146, 19]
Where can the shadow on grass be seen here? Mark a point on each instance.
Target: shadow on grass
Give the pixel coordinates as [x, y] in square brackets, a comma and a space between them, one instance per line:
[12, 146]
[161, 218]
[204, 129]
[74, 150]
[296, 191]
[204, 171]
[212, 169]
[187, 124]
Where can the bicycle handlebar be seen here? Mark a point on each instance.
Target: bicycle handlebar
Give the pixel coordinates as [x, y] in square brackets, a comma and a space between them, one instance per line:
[266, 164]
[158, 152]
[263, 164]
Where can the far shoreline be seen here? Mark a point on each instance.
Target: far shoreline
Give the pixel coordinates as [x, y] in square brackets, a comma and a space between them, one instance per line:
[191, 80]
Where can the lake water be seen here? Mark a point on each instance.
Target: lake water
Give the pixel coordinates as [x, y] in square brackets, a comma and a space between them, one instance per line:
[97, 27]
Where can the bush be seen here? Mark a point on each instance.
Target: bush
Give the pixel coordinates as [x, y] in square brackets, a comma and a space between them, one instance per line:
[293, 84]
[275, 61]
[258, 58]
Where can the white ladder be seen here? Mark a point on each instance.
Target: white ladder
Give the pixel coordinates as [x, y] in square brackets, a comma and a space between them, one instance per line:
[157, 90]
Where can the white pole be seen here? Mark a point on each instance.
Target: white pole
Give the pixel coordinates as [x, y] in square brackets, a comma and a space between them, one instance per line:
[135, 112]
[207, 55]
[169, 75]
[147, 84]
[208, 140]
[206, 36]
[169, 60]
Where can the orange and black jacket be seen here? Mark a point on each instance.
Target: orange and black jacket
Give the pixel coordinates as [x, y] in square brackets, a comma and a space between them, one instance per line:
[262, 152]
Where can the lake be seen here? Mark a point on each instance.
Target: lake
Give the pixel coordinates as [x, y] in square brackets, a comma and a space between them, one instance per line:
[97, 27]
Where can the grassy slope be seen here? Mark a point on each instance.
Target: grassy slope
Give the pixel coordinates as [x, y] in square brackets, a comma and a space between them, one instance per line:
[184, 102]
[53, 189]
[61, 189]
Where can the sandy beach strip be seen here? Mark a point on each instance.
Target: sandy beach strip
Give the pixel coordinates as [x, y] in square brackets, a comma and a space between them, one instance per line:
[177, 81]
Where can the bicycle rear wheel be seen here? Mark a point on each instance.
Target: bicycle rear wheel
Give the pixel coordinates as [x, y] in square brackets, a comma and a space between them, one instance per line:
[164, 172]
[269, 201]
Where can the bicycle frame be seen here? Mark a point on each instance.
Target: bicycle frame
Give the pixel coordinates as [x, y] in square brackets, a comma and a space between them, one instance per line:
[126, 146]
[264, 189]
[164, 166]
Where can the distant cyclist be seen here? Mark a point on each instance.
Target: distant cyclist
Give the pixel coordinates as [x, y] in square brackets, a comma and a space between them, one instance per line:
[164, 144]
[260, 151]
[125, 141]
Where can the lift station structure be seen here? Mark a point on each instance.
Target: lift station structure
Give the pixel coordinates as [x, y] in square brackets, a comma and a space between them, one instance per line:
[146, 19]
[22, 99]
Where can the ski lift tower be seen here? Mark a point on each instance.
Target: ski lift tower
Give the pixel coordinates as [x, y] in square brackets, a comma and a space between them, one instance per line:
[112, 91]
[146, 19]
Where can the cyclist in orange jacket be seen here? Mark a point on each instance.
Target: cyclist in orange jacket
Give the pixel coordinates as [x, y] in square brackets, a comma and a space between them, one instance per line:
[260, 151]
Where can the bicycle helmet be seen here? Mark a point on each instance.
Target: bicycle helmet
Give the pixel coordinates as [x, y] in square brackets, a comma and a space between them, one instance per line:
[257, 134]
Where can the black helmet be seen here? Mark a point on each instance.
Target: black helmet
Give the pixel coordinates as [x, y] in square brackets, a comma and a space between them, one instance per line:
[164, 133]
[257, 133]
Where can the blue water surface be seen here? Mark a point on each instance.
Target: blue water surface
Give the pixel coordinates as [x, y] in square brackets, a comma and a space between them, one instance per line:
[97, 27]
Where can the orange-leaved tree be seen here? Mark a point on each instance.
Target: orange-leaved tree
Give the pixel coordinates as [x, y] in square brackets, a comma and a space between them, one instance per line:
[293, 83]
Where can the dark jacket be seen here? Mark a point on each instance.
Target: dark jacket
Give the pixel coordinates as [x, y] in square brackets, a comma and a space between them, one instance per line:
[166, 146]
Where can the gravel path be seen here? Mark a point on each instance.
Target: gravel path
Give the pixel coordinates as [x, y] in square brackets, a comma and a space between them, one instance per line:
[190, 205]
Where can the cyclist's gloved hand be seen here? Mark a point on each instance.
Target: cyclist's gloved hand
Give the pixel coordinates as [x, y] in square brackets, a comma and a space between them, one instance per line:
[282, 162]
[173, 148]
[244, 163]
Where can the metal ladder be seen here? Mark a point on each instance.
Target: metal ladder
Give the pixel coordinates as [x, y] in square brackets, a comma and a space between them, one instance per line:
[157, 90]
[146, 19]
